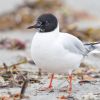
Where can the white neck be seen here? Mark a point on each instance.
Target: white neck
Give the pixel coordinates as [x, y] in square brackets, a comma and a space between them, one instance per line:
[57, 29]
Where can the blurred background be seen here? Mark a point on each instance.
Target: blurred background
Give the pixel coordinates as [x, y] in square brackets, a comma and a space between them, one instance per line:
[80, 18]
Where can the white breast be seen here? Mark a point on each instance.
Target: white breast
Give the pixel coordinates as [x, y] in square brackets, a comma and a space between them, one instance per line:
[49, 54]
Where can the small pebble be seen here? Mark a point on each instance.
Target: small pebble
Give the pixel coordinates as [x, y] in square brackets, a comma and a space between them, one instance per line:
[89, 96]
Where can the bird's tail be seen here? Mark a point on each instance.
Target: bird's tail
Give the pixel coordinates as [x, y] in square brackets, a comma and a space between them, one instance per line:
[92, 46]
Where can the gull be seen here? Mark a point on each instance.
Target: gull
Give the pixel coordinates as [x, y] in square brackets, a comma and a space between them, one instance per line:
[55, 51]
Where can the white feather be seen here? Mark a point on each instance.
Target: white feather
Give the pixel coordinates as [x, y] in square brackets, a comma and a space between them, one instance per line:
[55, 51]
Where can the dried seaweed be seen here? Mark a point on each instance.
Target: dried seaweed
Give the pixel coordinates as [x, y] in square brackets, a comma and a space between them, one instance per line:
[8, 43]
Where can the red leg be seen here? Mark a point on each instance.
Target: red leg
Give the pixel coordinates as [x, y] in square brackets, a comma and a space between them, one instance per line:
[70, 84]
[50, 84]
[69, 89]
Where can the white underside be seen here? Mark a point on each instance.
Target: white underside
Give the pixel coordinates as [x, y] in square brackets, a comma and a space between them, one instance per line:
[49, 54]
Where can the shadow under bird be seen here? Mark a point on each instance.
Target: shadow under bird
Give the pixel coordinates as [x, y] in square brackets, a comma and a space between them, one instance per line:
[54, 51]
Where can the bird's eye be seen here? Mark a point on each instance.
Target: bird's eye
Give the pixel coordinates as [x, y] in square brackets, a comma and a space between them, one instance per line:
[43, 23]
[39, 22]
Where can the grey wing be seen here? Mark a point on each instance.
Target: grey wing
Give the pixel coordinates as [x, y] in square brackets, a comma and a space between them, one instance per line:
[73, 44]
